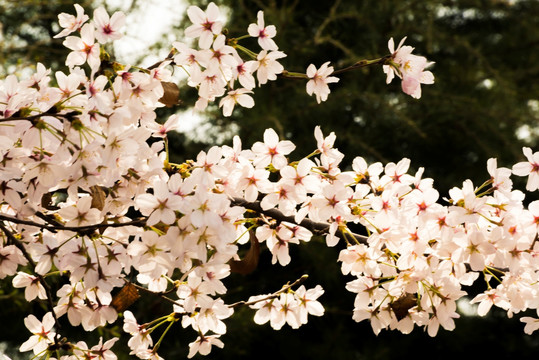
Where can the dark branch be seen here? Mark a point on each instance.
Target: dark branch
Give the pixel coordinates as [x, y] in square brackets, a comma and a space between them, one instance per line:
[317, 228]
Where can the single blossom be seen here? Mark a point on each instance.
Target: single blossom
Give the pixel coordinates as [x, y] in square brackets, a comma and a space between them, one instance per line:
[206, 24]
[319, 80]
[529, 168]
[71, 23]
[268, 67]
[263, 33]
[410, 68]
[239, 96]
[108, 27]
[84, 49]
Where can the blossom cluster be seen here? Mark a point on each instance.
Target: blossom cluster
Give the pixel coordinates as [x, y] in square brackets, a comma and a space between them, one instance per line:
[409, 67]
[90, 199]
[217, 68]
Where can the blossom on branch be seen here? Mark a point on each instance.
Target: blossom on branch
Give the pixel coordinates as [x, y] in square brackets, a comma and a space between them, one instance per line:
[410, 68]
[529, 168]
[319, 80]
[206, 24]
[263, 33]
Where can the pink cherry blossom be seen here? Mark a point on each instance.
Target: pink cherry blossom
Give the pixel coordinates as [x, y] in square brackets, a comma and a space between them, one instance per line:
[42, 337]
[71, 23]
[529, 168]
[319, 80]
[108, 27]
[85, 49]
[263, 33]
[268, 67]
[206, 24]
[272, 150]
[410, 68]
[233, 97]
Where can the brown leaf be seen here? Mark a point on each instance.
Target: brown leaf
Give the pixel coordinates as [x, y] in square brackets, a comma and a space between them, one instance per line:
[250, 261]
[401, 306]
[171, 94]
[125, 298]
[98, 197]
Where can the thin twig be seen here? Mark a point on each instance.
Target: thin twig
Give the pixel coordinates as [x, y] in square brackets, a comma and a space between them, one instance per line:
[55, 226]
[317, 228]
[272, 296]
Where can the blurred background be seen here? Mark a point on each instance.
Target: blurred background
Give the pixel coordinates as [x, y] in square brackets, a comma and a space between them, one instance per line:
[484, 103]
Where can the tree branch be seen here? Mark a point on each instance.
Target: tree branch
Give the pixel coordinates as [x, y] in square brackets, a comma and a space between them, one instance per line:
[55, 226]
[318, 228]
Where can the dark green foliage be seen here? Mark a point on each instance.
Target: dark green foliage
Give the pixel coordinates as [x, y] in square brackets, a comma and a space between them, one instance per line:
[27, 29]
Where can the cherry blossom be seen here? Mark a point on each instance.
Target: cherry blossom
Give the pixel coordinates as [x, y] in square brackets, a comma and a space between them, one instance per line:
[529, 168]
[263, 33]
[272, 150]
[108, 27]
[233, 97]
[85, 49]
[91, 201]
[71, 23]
[319, 80]
[268, 67]
[206, 24]
[410, 68]
[42, 337]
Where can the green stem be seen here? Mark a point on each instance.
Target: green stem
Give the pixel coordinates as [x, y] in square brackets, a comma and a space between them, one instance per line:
[163, 334]
[248, 52]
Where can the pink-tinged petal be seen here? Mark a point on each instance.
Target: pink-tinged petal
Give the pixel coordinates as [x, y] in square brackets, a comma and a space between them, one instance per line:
[267, 43]
[391, 45]
[260, 18]
[87, 34]
[101, 17]
[522, 168]
[29, 344]
[205, 40]
[251, 193]
[194, 31]
[168, 216]
[196, 15]
[32, 324]
[279, 161]
[73, 43]
[212, 12]
[410, 85]
[271, 31]
[246, 101]
[483, 308]
[311, 71]
[271, 139]
[161, 191]
[48, 321]
[146, 201]
[533, 181]
[84, 204]
[117, 20]
[315, 308]
[534, 207]
[426, 78]
[528, 153]
[286, 147]
[253, 30]
[69, 212]
[80, 10]
[154, 218]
